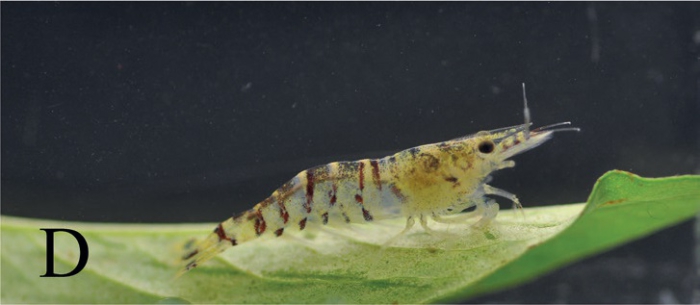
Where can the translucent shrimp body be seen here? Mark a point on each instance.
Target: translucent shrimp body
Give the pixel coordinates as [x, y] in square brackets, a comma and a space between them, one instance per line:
[428, 181]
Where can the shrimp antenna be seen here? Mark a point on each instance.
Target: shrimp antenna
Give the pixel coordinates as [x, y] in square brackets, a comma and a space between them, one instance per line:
[526, 114]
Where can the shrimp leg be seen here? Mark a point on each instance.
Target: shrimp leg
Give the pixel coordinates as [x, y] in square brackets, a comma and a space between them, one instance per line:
[490, 190]
[489, 213]
[457, 219]
[424, 224]
[410, 221]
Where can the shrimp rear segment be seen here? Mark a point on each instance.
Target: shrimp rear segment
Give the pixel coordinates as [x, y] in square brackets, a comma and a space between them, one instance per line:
[343, 192]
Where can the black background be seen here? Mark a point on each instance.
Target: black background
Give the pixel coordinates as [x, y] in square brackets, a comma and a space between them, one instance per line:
[188, 112]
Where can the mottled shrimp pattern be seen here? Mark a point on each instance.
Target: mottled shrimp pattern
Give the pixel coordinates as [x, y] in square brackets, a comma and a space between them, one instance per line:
[428, 181]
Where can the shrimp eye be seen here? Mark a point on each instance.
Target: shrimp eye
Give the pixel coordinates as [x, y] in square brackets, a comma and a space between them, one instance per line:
[486, 147]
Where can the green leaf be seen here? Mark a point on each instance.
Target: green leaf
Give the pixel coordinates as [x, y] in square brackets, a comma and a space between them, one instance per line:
[137, 263]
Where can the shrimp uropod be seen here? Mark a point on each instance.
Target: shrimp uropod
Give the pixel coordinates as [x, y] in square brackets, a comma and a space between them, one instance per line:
[427, 181]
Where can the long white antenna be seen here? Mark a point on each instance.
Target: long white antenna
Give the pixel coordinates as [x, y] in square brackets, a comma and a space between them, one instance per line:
[526, 114]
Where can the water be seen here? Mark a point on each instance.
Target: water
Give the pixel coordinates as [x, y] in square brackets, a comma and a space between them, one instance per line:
[181, 112]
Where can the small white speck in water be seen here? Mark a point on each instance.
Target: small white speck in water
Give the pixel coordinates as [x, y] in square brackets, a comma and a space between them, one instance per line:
[246, 87]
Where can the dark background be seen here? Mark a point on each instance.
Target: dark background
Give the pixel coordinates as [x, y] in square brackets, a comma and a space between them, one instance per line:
[188, 112]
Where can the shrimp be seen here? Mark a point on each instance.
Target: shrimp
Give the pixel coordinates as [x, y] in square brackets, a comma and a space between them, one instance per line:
[428, 181]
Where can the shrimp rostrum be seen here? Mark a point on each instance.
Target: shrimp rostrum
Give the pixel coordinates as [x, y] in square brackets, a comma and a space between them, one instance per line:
[428, 181]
